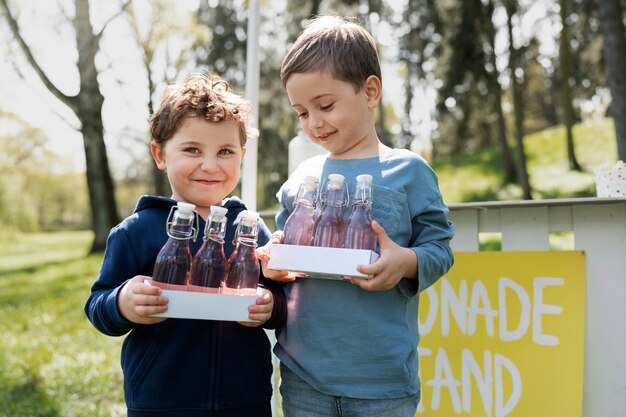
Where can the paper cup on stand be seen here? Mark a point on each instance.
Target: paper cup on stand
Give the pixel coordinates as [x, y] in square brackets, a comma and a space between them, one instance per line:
[611, 183]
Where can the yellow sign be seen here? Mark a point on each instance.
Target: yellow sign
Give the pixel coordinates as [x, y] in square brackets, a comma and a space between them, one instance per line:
[502, 334]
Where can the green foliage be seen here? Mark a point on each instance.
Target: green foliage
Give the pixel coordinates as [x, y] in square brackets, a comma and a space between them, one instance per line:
[52, 361]
[478, 176]
[37, 192]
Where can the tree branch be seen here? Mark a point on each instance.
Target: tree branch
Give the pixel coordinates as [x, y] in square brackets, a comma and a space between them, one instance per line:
[112, 18]
[67, 121]
[70, 101]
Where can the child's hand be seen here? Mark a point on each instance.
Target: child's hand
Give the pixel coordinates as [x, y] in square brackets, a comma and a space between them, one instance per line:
[138, 301]
[395, 262]
[261, 311]
[263, 253]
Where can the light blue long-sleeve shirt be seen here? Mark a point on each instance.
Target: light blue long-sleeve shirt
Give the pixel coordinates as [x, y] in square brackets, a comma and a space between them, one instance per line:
[342, 339]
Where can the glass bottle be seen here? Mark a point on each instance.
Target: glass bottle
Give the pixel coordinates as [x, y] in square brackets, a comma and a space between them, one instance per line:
[243, 264]
[359, 233]
[208, 268]
[171, 269]
[330, 225]
[299, 226]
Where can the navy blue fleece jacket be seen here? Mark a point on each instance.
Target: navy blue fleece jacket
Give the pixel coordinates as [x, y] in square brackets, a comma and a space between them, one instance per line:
[181, 367]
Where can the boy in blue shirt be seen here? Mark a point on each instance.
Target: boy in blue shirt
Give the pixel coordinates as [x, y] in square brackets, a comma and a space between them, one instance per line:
[179, 367]
[351, 349]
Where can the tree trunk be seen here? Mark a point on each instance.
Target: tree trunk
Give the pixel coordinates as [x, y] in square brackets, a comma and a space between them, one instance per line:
[407, 136]
[160, 183]
[522, 171]
[87, 105]
[89, 112]
[611, 13]
[496, 91]
[566, 89]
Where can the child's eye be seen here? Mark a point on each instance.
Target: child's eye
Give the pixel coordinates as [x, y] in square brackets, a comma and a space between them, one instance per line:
[192, 150]
[328, 107]
[225, 151]
[303, 115]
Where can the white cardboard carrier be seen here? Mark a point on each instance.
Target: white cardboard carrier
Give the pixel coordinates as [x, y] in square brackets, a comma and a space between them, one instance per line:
[207, 306]
[317, 262]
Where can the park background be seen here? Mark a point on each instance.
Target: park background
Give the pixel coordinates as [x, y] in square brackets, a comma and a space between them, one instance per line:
[506, 100]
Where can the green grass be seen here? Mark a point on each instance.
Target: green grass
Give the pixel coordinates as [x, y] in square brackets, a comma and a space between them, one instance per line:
[52, 361]
[478, 177]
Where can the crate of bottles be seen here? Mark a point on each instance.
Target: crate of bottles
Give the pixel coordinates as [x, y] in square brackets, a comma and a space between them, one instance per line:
[319, 262]
[326, 245]
[207, 286]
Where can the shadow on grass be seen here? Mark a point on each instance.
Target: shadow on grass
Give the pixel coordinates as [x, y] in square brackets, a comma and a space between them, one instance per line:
[32, 269]
[53, 281]
[28, 399]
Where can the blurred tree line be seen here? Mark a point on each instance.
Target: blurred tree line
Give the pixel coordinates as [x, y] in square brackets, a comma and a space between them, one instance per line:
[483, 63]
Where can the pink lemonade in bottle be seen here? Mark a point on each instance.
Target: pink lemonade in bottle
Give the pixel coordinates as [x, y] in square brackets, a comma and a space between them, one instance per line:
[330, 225]
[243, 264]
[173, 263]
[208, 268]
[359, 233]
[300, 224]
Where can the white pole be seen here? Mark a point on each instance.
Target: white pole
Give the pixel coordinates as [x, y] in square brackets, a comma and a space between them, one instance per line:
[249, 175]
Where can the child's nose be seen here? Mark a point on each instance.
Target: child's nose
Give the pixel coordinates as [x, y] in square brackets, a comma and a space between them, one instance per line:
[209, 164]
[315, 122]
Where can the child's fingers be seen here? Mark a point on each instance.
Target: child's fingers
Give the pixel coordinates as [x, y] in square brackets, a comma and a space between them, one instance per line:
[147, 299]
[277, 236]
[265, 298]
[279, 275]
[379, 283]
[146, 311]
[371, 269]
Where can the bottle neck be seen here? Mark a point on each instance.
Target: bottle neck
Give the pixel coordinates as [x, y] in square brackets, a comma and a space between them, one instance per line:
[215, 230]
[363, 195]
[247, 234]
[180, 228]
[334, 197]
[248, 240]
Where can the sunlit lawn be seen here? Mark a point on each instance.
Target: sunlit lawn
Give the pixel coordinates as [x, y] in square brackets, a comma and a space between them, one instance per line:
[52, 361]
[478, 177]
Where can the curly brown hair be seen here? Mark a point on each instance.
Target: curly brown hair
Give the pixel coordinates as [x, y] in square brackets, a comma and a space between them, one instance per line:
[204, 96]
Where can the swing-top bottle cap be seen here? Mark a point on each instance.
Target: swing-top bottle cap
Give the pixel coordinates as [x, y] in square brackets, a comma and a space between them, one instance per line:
[310, 182]
[249, 218]
[336, 179]
[218, 211]
[185, 210]
[250, 215]
[364, 178]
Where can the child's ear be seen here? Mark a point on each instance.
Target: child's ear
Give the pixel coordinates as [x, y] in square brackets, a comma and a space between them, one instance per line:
[158, 155]
[373, 90]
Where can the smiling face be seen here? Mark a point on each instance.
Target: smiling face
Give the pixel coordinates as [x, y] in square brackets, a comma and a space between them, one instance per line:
[334, 115]
[202, 160]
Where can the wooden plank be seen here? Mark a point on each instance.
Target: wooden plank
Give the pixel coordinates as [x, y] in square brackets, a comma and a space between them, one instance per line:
[560, 219]
[525, 228]
[600, 230]
[465, 230]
